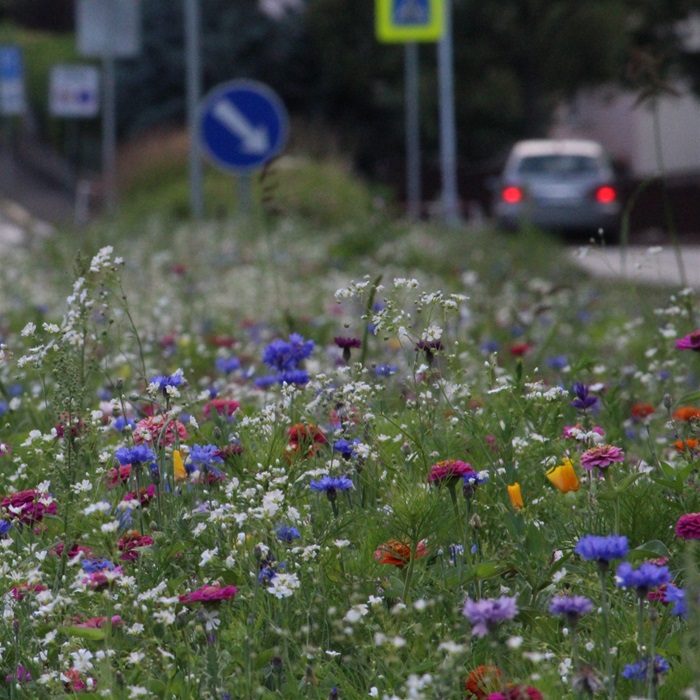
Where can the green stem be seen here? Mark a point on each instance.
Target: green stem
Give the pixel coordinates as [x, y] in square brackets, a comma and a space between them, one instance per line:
[603, 570]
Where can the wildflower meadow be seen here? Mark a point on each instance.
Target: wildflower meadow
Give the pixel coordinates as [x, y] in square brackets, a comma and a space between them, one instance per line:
[247, 468]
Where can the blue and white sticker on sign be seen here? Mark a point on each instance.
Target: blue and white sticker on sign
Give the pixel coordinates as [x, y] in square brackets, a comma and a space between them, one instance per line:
[410, 12]
[243, 124]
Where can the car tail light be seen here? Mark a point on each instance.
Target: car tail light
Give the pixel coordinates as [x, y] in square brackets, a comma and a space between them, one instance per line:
[605, 195]
[512, 194]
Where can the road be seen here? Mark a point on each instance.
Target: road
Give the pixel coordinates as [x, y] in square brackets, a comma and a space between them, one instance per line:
[658, 265]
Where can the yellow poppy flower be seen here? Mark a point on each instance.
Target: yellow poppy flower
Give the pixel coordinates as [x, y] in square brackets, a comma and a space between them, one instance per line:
[179, 466]
[515, 496]
[564, 476]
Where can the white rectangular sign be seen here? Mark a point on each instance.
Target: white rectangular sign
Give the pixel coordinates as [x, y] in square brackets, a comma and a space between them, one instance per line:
[108, 28]
[74, 91]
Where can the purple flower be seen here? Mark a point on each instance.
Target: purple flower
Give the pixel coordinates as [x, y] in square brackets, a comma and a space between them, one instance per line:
[205, 455]
[226, 365]
[583, 400]
[602, 549]
[638, 671]
[601, 457]
[487, 612]
[162, 382]
[287, 533]
[330, 485]
[676, 595]
[647, 576]
[570, 606]
[689, 342]
[284, 355]
[134, 455]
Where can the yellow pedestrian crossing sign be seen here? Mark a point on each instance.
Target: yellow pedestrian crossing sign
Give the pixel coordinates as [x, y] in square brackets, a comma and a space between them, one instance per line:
[409, 20]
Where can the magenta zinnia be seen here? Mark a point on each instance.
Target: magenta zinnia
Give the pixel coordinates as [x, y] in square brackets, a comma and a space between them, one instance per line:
[448, 471]
[601, 457]
[688, 526]
[209, 594]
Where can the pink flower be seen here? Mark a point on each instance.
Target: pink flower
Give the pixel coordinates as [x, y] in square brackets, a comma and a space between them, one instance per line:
[449, 470]
[159, 431]
[601, 456]
[146, 495]
[221, 407]
[209, 594]
[688, 526]
[97, 622]
[689, 342]
[131, 542]
[118, 476]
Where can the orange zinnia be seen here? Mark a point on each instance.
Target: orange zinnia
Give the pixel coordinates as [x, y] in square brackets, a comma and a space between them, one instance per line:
[691, 445]
[686, 413]
[564, 477]
[516, 497]
[398, 553]
[482, 681]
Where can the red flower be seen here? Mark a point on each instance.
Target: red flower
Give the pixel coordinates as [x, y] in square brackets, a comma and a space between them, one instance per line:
[690, 445]
[482, 681]
[27, 506]
[18, 591]
[145, 496]
[520, 349]
[641, 410]
[130, 542]
[223, 407]
[209, 594]
[118, 476]
[98, 622]
[398, 553]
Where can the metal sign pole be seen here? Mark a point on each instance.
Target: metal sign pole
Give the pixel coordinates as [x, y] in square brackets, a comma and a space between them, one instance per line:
[109, 134]
[448, 138]
[194, 90]
[413, 175]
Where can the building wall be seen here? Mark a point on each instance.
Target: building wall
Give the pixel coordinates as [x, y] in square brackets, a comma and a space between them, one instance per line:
[628, 131]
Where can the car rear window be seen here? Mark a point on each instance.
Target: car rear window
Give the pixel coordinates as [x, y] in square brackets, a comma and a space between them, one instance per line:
[558, 165]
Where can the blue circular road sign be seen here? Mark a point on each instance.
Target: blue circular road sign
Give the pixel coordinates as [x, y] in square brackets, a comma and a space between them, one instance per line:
[242, 125]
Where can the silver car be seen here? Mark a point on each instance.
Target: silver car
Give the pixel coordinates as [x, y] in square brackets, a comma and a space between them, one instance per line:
[561, 184]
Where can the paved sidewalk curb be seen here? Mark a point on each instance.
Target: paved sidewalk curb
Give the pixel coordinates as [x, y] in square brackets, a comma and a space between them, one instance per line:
[655, 265]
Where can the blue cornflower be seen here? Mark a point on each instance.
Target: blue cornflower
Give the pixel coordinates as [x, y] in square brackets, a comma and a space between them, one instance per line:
[287, 533]
[345, 447]
[330, 485]
[266, 574]
[5, 526]
[385, 370]
[558, 362]
[226, 365]
[134, 455]
[638, 671]
[486, 613]
[285, 355]
[646, 577]
[266, 381]
[91, 566]
[162, 382]
[205, 455]
[120, 423]
[15, 390]
[293, 376]
[583, 400]
[602, 549]
[470, 482]
[570, 606]
[676, 595]
[490, 346]
[3, 408]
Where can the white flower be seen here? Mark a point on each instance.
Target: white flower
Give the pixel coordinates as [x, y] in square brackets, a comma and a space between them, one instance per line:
[356, 613]
[81, 659]
[135, 658]
[283, 585]
[28, 330]
[137, 691]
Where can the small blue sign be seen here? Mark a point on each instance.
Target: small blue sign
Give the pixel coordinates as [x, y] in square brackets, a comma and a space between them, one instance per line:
[410, 12]
[243, 124]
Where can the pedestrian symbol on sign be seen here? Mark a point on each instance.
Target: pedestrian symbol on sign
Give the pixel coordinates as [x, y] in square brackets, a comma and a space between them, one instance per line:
[410, 12]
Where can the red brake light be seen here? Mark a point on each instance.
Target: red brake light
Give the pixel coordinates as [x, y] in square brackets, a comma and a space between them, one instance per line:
[512, 194]
[605, 194]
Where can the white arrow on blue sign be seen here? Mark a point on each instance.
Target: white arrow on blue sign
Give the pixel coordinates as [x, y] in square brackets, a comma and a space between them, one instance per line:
[242, 125]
